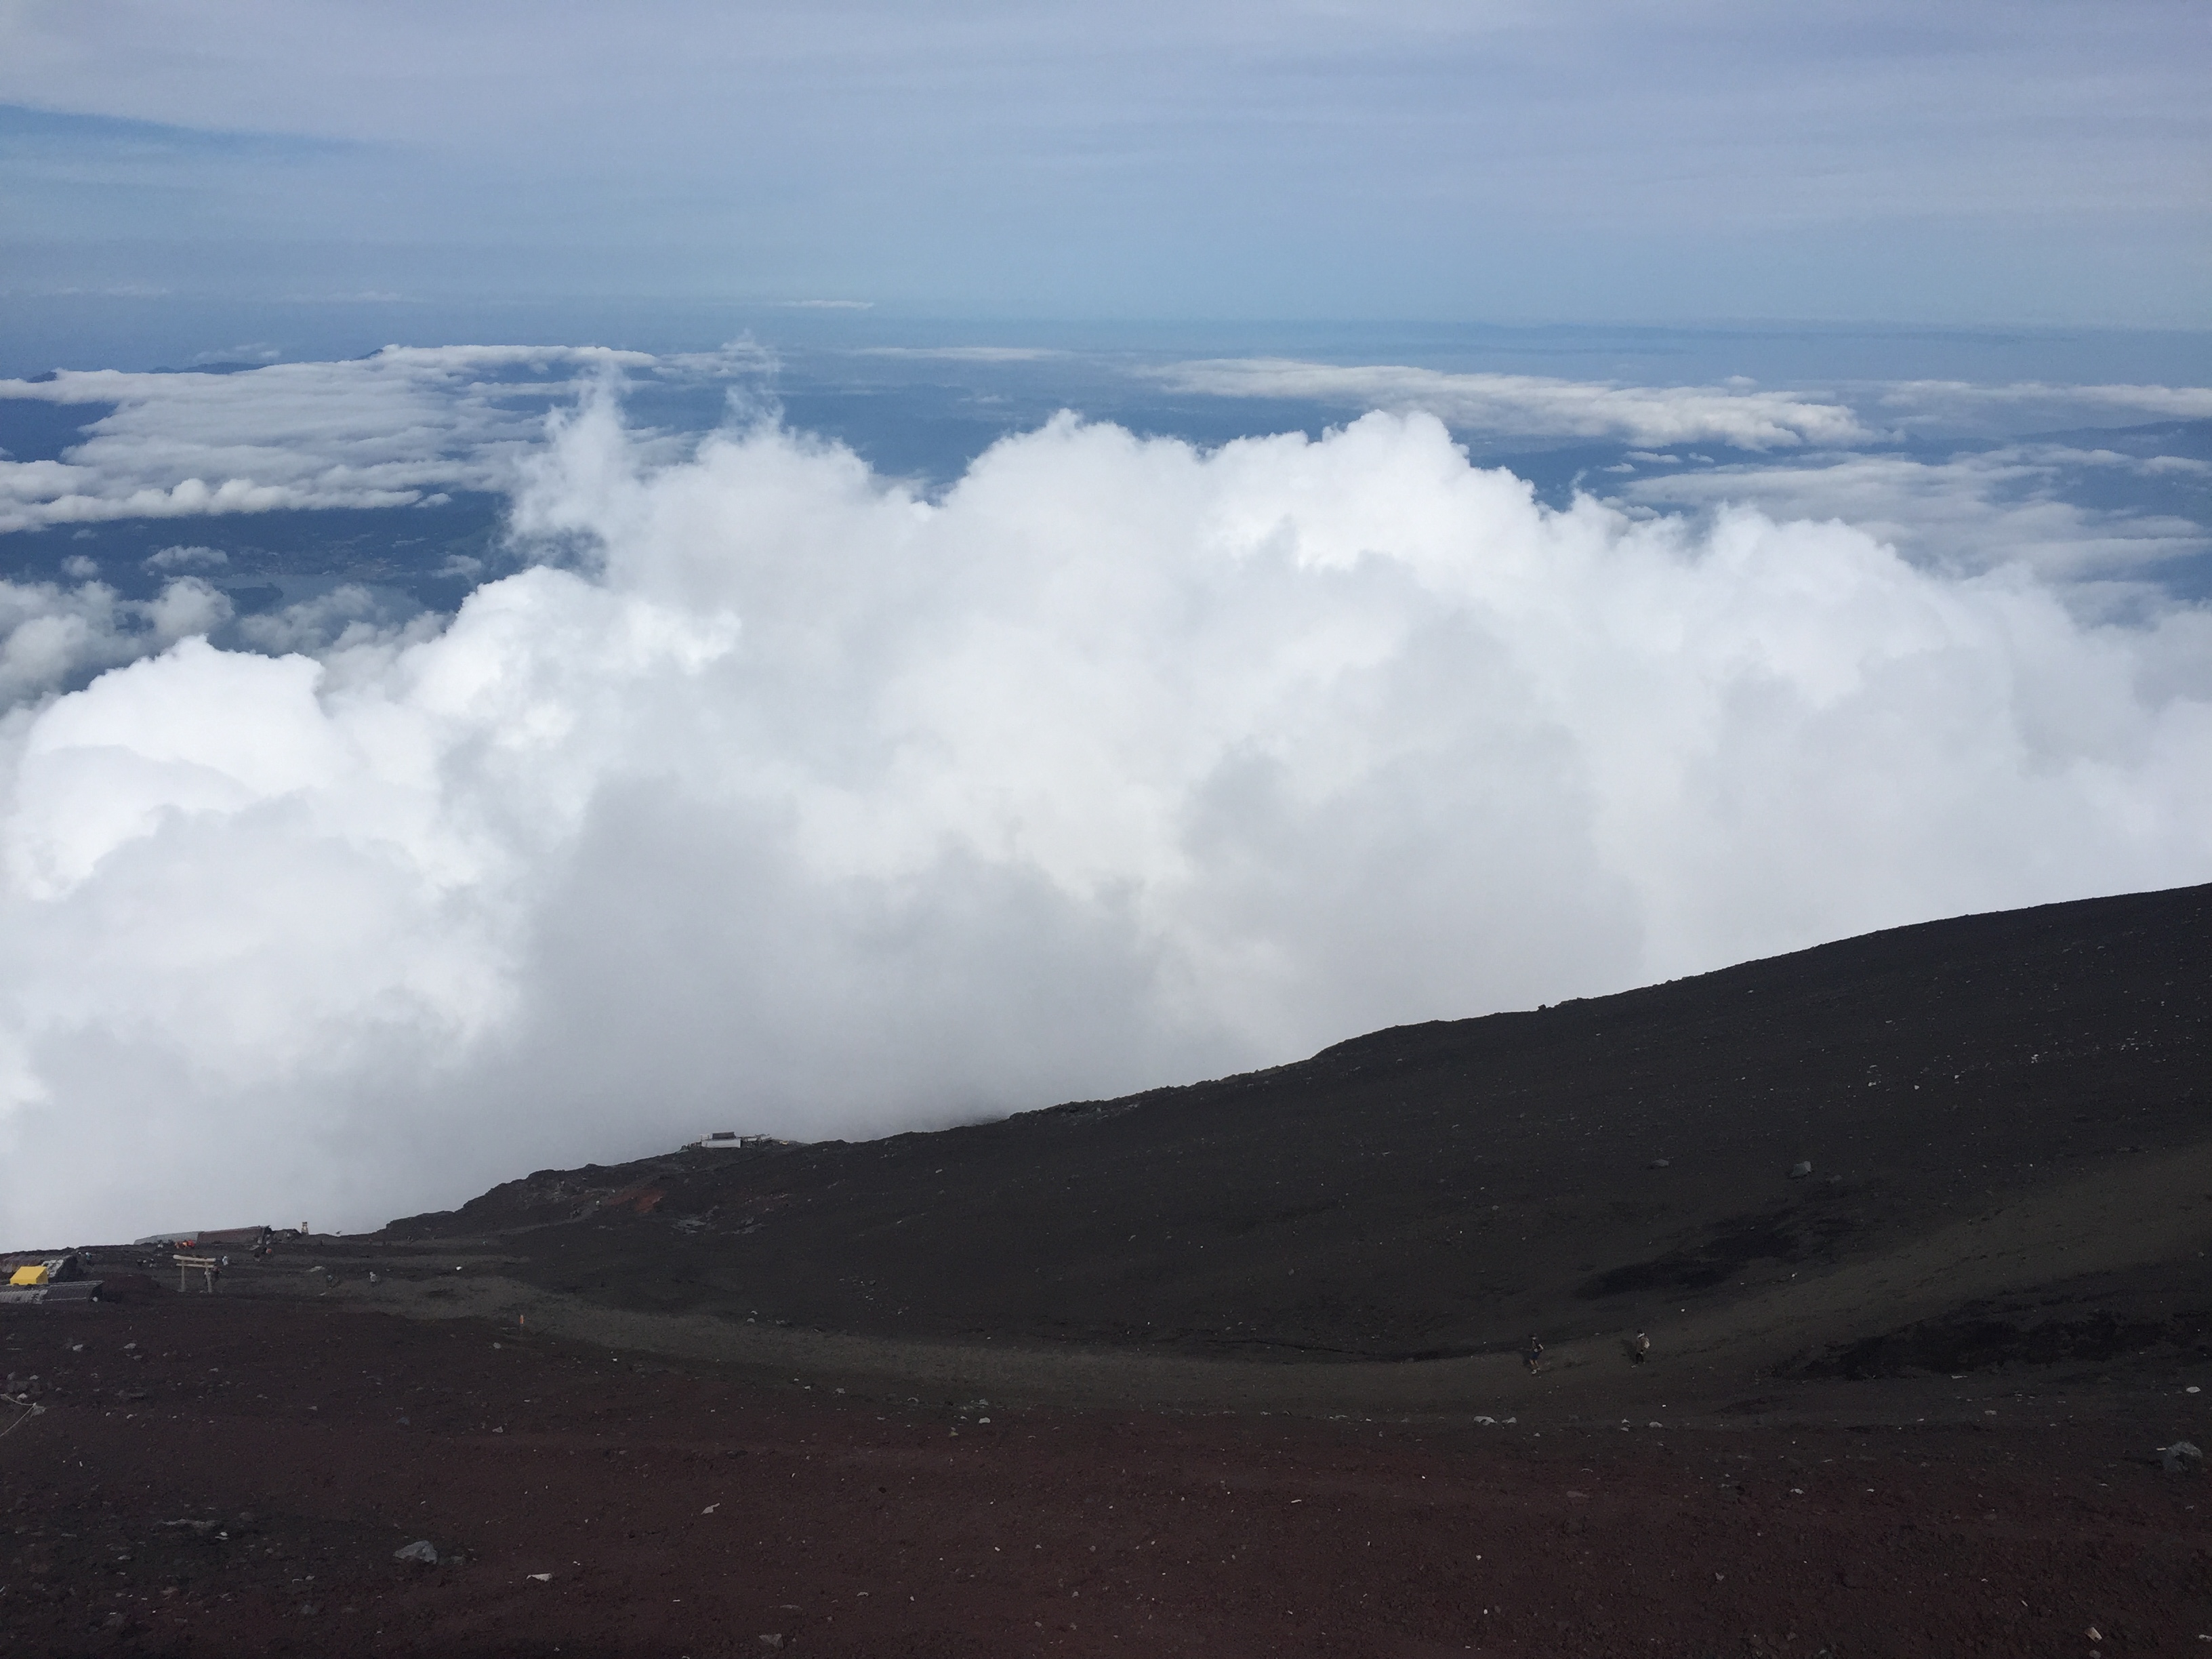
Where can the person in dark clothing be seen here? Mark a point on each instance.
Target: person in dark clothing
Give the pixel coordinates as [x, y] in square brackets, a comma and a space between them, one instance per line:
[1534, 1354]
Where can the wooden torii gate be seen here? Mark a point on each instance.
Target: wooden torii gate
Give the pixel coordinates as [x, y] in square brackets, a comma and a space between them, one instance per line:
[206, 1265]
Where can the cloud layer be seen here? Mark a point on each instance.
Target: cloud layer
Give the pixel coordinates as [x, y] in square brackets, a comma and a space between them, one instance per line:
[1976, 511]
[1537, 405]
[788, 801]
[386, 430]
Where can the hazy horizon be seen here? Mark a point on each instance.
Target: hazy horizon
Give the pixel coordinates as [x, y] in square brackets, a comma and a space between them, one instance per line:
[1597, 161]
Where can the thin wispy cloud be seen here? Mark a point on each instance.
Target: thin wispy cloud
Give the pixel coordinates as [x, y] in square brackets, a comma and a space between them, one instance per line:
[1974, 512]
[1746, 418]
[973, 354]
[1952, 402]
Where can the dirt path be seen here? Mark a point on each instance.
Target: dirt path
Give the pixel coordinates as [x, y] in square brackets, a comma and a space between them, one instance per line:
[2153, 1210]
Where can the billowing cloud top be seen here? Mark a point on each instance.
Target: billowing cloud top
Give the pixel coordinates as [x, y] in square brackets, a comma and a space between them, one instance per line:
[806, 804]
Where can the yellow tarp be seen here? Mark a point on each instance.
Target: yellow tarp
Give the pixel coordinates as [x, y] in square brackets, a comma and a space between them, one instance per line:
[34, 1275]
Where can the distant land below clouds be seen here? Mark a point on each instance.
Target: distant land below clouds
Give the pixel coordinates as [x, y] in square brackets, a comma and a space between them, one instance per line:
[409, 753]
[2102, 482]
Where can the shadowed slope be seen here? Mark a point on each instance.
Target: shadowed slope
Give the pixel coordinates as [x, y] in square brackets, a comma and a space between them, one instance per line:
[1447, 1189]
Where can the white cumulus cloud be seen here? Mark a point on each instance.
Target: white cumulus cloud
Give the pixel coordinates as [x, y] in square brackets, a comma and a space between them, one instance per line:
[52, 635]
[185, 558]
[806, 804]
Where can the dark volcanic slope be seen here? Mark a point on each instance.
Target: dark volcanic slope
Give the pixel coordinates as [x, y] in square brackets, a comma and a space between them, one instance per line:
[1446, 1188]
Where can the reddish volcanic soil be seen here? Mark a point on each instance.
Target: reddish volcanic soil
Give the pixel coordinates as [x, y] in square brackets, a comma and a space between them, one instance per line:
[237, 1483]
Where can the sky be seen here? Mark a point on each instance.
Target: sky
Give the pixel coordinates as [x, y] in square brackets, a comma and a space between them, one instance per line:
[2038, 160]
[571, 578]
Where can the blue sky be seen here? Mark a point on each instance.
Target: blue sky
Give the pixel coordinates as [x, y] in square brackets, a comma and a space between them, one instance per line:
[1967, 163]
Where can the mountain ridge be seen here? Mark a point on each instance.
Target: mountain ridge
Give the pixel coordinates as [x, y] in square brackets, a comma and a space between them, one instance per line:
[1443, 1189]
